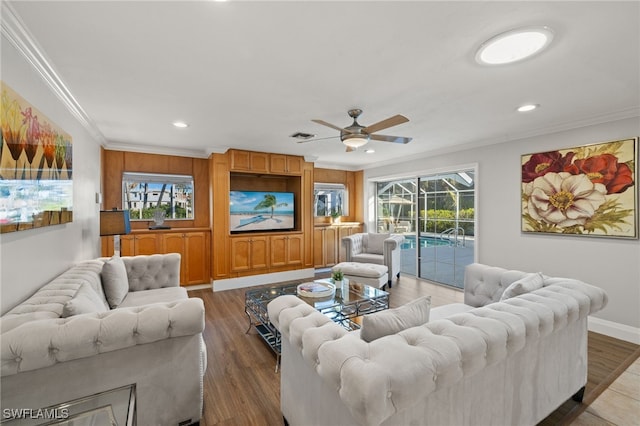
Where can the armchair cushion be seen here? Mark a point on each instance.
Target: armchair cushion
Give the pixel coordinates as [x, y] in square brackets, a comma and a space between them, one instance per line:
[114, 281]
[392, 321]
[375, 243]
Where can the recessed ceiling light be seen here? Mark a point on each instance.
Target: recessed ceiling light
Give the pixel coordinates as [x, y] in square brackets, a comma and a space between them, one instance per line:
[527, 107]
[369, 151]
[513, 46]
[180, 124]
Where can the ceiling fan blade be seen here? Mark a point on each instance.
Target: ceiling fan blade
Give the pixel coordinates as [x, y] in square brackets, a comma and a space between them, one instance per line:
[394, 139]
[389, 122]
[324, 123]
[318, 139]
[349, 149]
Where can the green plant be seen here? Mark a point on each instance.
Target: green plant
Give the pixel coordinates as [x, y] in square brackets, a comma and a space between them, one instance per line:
[336, 213]
[337, 275]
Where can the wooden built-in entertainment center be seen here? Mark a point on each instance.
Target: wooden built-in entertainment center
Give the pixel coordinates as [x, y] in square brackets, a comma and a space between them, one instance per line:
[209, 249]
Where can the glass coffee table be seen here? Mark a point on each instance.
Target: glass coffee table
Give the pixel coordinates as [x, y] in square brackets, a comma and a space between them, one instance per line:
[342, 308]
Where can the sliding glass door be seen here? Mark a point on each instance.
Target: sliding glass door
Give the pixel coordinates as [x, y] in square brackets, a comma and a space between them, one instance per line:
[436, 214]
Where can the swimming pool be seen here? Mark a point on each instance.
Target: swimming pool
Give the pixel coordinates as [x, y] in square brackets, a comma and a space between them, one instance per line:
[425, 241]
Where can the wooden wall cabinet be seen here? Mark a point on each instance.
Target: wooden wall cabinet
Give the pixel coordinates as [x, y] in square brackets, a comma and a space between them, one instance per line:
[194, 251]
[249, 161]
[249, 253]
[286, 250]
[285, 164]
[325, 246]
[327, 243]
[262, 162]
[193, 246]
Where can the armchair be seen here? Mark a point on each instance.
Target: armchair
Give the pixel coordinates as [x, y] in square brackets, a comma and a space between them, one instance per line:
[380, 249]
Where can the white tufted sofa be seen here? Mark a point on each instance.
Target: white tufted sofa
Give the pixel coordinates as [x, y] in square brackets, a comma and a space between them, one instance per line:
[506, 363]
[153, 339]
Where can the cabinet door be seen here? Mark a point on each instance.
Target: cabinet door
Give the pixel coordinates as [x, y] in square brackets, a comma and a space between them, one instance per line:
[295, 244]
[259, 253]
[240, 160]
[259, 162]
[127, 245]
[173, 242]
[330, 246]
[196, 258]
[294, 165]
[278, 250]
[240, 254]
[248, 253]
[146, 244]
[278, 163]
[318, 248]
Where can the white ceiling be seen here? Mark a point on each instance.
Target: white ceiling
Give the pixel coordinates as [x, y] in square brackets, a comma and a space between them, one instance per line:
[249, 74]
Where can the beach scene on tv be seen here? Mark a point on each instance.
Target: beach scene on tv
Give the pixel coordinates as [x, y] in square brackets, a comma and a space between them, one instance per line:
[260, 211]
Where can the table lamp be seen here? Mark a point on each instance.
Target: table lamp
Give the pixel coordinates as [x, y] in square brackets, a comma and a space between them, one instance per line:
[115, 222]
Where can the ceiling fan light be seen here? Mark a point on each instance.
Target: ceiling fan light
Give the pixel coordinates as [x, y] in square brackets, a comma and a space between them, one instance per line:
[355, 141]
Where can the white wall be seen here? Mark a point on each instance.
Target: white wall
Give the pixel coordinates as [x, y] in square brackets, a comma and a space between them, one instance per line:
[31, 258]
[612, 264]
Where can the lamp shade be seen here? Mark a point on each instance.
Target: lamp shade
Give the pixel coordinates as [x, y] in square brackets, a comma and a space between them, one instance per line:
[114, 222]
[355, 141]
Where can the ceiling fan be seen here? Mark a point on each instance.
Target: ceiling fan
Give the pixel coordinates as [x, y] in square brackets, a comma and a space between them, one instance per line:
[355, 136]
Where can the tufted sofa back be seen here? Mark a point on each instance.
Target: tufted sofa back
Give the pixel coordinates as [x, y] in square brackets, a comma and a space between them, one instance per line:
[484, 284]
[49, 300]
[153, 271]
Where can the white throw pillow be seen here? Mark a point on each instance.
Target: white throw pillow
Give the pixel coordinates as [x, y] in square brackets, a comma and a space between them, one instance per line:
[524, 285]
[85, 301]
[375, 243]
[391, 321]
[114, 281]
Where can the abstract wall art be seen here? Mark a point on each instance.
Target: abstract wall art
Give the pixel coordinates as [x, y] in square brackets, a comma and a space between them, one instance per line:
[36, 167]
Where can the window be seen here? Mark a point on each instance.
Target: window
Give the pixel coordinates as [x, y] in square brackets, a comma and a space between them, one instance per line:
[144, 193]
[330, 198]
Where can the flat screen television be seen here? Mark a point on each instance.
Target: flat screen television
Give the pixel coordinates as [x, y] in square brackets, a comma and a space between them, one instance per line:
[260, 211]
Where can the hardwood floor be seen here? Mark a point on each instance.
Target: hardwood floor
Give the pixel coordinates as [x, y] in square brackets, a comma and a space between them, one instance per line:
[241, 386]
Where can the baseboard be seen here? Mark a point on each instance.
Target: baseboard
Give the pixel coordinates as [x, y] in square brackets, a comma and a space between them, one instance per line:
[615, 330]
[253, 280]
[198, 287]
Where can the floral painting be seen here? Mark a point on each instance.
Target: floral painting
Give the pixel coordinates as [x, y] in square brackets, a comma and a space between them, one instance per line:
[588, 190]
[36, 187]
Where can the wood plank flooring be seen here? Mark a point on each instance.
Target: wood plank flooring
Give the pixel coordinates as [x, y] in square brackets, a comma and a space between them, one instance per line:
[241, 386]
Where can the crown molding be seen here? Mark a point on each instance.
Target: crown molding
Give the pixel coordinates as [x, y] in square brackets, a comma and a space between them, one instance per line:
[16, 32]
[153, 149]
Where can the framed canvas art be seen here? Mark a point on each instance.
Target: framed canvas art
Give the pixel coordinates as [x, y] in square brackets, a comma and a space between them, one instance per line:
[36, 167]
[587, 190]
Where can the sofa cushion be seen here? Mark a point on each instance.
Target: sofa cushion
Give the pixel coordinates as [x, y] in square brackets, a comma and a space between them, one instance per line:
[445, 311]
[114, 281]
[85, 301]
[391, 321]
[528, 283]
[375, 243]
[158, 295]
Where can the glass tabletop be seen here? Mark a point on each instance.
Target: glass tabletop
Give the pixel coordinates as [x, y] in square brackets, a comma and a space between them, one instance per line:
[360, 299]
[357, 293]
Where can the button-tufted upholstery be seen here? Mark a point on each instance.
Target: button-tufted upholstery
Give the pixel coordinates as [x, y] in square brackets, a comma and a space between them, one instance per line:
[357, 249]
[510, 362]
[153, 339]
